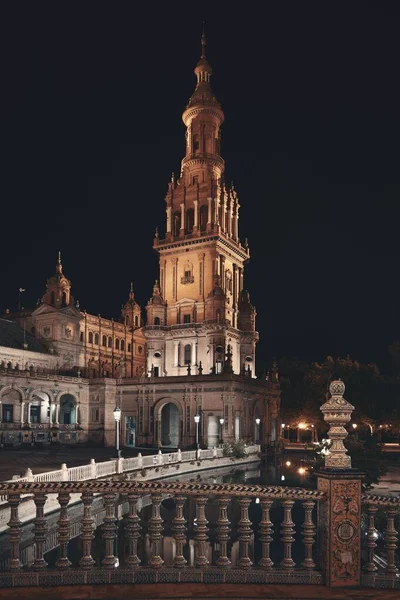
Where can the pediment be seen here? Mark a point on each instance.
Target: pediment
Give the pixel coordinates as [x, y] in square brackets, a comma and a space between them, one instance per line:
[186, 301]
[68, 311]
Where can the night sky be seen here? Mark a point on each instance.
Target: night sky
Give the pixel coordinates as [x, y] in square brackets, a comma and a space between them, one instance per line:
[91, 130]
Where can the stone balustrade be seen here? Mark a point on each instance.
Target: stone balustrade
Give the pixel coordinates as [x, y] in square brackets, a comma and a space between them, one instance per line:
[206, 544]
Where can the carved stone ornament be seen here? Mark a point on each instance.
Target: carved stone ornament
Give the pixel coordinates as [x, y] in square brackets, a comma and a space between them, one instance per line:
[337, 412]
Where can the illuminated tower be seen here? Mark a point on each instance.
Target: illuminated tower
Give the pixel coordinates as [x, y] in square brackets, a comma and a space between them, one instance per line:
[199, 308]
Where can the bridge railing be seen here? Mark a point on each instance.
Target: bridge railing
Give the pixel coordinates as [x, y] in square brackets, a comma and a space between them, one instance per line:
[211, 535]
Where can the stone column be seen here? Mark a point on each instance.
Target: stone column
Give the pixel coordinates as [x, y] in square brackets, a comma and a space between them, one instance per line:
[216, 209]
[196, 214]
[28, 416]
[194, 353]
[57, 414]
[209, 217]
[182, 231]
[339, 515]
[176, 353]
[77, 414]
[169, 220]
[22, 412]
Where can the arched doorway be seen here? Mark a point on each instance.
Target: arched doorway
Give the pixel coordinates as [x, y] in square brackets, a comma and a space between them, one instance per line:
[67, 410]
[39, 407]
[170, 425]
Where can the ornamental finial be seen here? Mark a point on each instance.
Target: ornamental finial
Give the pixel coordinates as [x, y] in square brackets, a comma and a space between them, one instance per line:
[337, 412]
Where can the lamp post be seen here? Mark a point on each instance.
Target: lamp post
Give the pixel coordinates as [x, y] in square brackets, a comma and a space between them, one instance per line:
[117, 418]
[221, 422]
[197, 421]
[258, 421]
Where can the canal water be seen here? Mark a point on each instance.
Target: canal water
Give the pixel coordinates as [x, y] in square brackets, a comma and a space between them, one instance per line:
[284, 473]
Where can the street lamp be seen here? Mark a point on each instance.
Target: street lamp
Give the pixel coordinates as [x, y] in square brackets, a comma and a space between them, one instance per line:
[221, 422]
[197, 421]
[258, 421]
[117, 417]
[354, 425]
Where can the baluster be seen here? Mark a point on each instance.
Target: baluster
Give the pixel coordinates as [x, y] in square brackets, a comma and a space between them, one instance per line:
[39, 530]
[63, 531]
[308, 534]
[178, 528]
[132, 530]
[266, 531]
[390, 541]
[155, 529]
[109, 528]
[287, 534]
[15, 531]
[87, 527]
[201, 537]
[223, 532]
[371, 538]
[245, 534]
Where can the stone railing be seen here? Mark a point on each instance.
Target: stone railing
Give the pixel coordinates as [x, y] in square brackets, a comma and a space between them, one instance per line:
[206, 544]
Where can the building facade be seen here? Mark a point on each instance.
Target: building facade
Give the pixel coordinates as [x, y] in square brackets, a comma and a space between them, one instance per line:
[195, 353]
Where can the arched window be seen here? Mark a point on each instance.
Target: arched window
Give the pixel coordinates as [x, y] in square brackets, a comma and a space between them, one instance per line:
[96, 338]
[196, 143]
[129, 348]
[189, 220]
[177, 223]
[203, 217]
[104, 340]
[126, 319]
[188, 354]
[136, 321]
[52, 298]
[110, 342]
[64, 299]
[218, 315]
[117, 344]
[156, 320]
[81, 336]
[122, 345]
[90, 337]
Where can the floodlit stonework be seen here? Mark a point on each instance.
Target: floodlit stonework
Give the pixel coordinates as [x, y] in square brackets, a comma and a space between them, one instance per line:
[194, 354]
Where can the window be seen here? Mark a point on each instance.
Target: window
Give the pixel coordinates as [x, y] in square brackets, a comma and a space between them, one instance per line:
[196, 143]
[186, 318]
[122, 345]
[90, 337]
[117, 344]
[177, 223]
[156, 320]
[187, 354]
[203, 217]
[35, 414]
[96, 339]
[195, 180]
[52, 298]
[95, 415]
[8, 413]
[189, 220]
[136, 321]
[188, 419]
[140, 349]
[156, 371]
[104, 340]
[129, 348]
[64, 299]
[110, 342]
[81, 336]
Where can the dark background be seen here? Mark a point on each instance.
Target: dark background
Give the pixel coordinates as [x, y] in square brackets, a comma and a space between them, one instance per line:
[91, 130]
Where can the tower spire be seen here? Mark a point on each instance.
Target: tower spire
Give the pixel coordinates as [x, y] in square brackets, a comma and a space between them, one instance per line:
[203, 44]
[131, 294]
[59, 265]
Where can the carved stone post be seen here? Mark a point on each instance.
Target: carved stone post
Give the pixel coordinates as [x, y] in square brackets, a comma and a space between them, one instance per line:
[245, 534]
[63, 531]
[223, 532]
[132, 530]
[309, 529]
[39, 530]
[109, 528]
[266, 534]
[15, 531]
[155, 529]
[287, 534]
[391, 541]
[339, 515]
[201, 537]
[178, 528]
[87, 535]
[371, 538]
